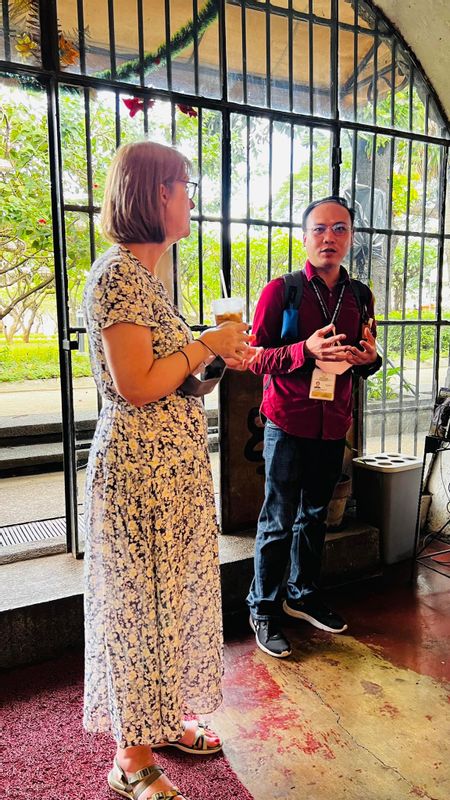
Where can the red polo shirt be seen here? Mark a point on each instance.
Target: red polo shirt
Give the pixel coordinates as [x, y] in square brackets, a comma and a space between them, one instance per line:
[286, 387]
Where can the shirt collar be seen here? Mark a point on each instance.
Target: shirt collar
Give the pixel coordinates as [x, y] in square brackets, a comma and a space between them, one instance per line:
[311, 272]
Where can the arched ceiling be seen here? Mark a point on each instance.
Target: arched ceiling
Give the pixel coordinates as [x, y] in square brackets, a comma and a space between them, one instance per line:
[425, 26]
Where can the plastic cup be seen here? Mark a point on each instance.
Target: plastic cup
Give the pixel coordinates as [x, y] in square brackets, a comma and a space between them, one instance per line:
[228, 309]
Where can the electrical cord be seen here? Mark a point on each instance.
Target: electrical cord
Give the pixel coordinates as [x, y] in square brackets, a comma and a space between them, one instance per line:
[436, 535]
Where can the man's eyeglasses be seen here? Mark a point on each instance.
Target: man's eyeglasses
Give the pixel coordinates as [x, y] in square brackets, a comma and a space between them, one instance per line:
[339, 229]
[191, 187]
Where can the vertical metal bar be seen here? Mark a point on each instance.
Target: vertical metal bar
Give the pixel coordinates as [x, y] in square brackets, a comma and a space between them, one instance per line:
[112, 39]
[427, 114]
[247, 236]
[393, 80]
[48, 25]
[269, 233]
[405, 272]
[195, 43]
[268, 58]
[411, 97]
[223, 62]
[141, 49]
[62, 309]
[81, 36]
[372, 195]
[117, 119]
[441, 254]
[311, 57]
[244, 52]
[140, 24]
[375, 71]
[334, 61]
[355, 61]
[402, 342]
[6, 29]
[336, 158]
[353, 184]
[226, 197]
[89, 175]
[387, 289]
[173, 130]
[168, 53]
[291, 197]
[290, 56]
[311, 164]
[200, 212]
[419, 312]
[425, 173]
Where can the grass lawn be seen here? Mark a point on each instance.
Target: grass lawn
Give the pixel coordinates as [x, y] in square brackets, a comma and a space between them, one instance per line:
[38, 358]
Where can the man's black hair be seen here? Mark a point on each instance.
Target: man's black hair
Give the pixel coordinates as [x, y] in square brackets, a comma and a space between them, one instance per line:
[334, 198]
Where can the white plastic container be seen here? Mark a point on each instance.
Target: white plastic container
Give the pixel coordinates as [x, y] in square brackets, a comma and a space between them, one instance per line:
[386, 487]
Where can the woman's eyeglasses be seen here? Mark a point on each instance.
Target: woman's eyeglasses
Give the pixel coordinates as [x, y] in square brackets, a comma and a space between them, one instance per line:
[191, 187]
[339, 229]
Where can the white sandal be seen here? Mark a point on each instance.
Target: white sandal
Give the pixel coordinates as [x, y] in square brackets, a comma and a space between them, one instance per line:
[132, 786]
[199, 746]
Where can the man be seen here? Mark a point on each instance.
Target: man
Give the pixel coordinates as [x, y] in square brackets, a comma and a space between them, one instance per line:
[304, 436]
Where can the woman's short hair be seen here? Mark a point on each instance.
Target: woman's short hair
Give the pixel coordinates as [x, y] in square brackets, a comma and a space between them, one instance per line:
[132, 210]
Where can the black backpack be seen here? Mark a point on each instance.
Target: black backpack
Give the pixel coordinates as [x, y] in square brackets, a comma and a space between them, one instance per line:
[293, 293]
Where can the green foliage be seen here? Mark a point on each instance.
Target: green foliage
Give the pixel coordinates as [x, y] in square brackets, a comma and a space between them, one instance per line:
[406, 339]
[37, 359]
[375, 385]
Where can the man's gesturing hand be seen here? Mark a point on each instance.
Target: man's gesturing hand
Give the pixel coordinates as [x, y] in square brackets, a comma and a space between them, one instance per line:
[365, 356]
[326, 349]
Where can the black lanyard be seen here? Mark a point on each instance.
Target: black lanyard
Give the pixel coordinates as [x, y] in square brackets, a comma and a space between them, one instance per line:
[332, 320]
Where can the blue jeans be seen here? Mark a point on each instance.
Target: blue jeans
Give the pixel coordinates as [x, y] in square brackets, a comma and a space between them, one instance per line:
[300, 478]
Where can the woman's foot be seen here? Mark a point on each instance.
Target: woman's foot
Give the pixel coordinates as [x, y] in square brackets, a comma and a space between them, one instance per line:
[134, 759]
[191, 728]
[196, 739]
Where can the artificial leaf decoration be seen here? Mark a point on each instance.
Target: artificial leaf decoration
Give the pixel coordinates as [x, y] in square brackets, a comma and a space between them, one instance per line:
[135, 104]
[24, 20]
[26, 45]
[191, 112]
[68, 51]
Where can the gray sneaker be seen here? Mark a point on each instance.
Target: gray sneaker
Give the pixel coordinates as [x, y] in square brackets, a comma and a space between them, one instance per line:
[269, 638]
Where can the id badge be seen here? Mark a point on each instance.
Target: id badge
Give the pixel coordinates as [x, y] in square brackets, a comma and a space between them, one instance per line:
[322, 385]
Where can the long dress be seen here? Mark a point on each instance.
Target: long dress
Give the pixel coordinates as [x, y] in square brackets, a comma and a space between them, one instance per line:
[153, 624]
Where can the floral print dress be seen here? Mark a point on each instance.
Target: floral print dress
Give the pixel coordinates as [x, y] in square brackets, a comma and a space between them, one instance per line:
[153, 620]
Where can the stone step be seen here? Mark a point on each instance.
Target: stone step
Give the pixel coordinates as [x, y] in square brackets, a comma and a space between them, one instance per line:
[31, 428]
[31, 458]
[41, 600]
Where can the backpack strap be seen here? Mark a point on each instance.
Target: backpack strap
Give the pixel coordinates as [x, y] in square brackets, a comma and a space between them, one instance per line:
[293, 289]
[362, 295]
[293, 293]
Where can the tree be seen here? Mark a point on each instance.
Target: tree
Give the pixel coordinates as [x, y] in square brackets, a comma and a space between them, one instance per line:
[26, 251]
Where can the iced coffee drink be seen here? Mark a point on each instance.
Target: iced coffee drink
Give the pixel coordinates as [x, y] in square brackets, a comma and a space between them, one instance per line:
[228, 309]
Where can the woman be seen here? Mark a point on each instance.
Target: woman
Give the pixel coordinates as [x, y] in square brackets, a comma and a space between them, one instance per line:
[152, 598]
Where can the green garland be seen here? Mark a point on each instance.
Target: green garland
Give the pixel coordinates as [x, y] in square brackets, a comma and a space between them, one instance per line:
[151, 61]
[178, 42]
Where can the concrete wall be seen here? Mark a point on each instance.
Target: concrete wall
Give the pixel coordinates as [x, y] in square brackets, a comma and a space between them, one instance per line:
[425, 26]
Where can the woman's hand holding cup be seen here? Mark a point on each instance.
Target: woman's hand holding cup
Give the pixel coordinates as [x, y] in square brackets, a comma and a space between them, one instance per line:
[228, 340]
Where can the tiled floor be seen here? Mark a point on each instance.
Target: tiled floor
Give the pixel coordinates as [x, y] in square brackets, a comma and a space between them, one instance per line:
[363, 716]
